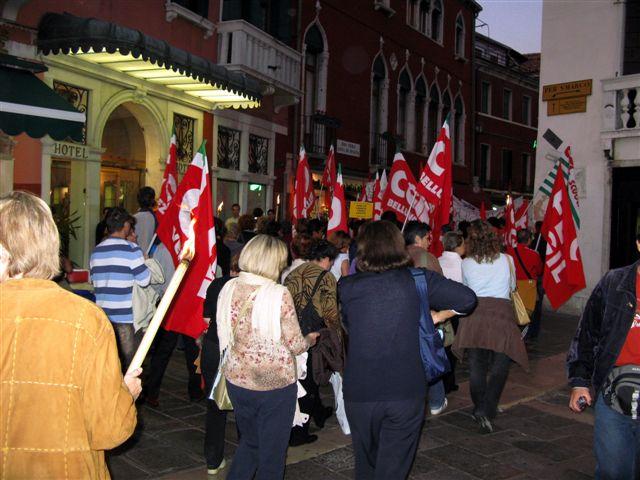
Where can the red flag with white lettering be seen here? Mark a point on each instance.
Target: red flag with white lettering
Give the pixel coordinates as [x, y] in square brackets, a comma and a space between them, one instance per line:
[379, 189]
[338, 215]
[435, 180]
[521, 209]
[563, 272]
[510, 234]
[169, 179]
[190, 215]
[402, 195]
[303, 196]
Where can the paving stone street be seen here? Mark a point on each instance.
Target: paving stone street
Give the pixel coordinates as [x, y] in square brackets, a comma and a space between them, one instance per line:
[535, 437]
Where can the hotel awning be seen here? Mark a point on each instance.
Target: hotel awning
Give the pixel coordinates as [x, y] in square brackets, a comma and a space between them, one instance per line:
[133, 53]
[28, 105]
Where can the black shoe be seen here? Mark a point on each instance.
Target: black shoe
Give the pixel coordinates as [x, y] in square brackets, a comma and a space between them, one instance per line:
[300, 440]
[322, 417]
[485, 425]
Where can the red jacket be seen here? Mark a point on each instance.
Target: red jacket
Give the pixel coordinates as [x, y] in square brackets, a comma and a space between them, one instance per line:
[531, 261]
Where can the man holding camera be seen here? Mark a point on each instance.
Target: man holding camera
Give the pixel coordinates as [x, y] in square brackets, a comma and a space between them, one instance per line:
[604, 357]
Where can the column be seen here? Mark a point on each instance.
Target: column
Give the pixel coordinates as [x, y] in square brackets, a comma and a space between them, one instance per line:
[6, 163]
[45, 176]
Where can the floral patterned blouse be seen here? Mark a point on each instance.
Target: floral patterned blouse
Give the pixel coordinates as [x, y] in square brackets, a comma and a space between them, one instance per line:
[257, 363]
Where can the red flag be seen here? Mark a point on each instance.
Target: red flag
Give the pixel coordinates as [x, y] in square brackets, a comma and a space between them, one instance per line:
[377, 198]
[169, 179]
[190, 216]
[483, 211]
[338, 215]
[402, 195]
[329, 174]
[510, 235]
[303, 196]
[435, 179]
[521, 217]
[563, 273]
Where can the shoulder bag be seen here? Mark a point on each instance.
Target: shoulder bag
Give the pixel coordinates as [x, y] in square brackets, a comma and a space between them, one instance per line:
[621, 390]
[308, 317]
[527, 289]
[434, 357]
[519, 310]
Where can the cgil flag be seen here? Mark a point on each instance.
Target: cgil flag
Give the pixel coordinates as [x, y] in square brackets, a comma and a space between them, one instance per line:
[379, 189]
[402, 196]
[510, 235]
[169, 179]
[338, 214]
[329, 176]
[521, 210]
[189, 216]
[303, 196]
[563, 273]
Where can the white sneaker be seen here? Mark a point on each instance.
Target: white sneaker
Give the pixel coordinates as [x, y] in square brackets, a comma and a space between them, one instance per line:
[439, 410]
[215, 471]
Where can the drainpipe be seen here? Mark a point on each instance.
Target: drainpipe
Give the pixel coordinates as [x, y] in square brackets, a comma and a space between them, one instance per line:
[473, 98]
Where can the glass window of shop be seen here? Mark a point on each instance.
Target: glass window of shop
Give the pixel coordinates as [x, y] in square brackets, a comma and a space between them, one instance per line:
[60, 200]
[256, 197]
[228, 194]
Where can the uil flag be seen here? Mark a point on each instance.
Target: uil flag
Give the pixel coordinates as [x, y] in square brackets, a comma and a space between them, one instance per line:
[563, 272]
[190, 216]
[402, 196]
[435, 179]
[338, 215]
[303, 196]
[329, 176]
[169, 180]
[510, 235]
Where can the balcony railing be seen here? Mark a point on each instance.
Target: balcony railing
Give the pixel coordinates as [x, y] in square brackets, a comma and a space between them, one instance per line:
[383, 146]
[319, 133]
[246, 48]
[621, 104]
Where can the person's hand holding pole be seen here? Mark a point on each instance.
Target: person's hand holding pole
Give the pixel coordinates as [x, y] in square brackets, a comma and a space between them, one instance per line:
[576, 394]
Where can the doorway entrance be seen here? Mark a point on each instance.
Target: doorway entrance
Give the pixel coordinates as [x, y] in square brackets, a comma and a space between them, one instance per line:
[625, 216]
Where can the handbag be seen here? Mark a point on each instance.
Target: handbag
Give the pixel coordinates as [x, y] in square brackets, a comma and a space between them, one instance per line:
[520, 311]
[219, 392]
[449, 335]
[434, 357]
[308, 317]
[527, 289]
[621, 390]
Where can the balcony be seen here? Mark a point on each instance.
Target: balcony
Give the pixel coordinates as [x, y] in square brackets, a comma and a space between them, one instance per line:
[383, 147]
[621, 117]
[319, 133]
[247, 49]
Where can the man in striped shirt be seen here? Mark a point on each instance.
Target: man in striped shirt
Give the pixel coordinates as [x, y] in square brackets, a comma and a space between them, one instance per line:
[116, 264]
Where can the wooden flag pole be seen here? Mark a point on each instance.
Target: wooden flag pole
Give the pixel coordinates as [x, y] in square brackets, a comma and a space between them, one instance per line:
[186, 255]
[406, 218]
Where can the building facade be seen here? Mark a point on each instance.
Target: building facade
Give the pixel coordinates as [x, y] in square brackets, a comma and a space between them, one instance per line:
[506, 119]
[602, 124]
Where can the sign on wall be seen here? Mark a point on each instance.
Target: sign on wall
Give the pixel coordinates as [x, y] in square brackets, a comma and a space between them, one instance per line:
[361, 210]
[565, 98]
[348, 148]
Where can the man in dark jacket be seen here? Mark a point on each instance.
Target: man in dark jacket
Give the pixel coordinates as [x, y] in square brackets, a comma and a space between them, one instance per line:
[608, 336]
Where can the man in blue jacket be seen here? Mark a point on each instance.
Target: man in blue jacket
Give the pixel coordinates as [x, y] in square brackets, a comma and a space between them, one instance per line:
[606, 341]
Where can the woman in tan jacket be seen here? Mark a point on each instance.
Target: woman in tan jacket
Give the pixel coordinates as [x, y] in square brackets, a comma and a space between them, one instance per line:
[64, 401]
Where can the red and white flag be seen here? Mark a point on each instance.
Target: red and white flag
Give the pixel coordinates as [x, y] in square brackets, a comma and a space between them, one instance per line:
[190, 216]
[329, 176]
[303, 197]
[510, 234]
[338, 215]
[402, 196]
[379, 189]
[169, 179]
[563, 273]
[521, 209]
[483, 211]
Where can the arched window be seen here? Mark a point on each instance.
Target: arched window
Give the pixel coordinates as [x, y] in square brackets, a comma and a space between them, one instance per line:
[404, 89]
[314, 48]
[459, 36]
[436, 20]
[432, 120]
[423, 17]
[379, 96]
[421, 103]
[412, 13]
[458, 131]
[446, 108]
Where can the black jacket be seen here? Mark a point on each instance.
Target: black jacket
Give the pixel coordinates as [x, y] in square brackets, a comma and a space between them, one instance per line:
[603, 328]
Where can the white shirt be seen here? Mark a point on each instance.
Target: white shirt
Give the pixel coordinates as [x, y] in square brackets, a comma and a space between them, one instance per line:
[451, 265]
[336, 268]
[295, 264]
[489, 279]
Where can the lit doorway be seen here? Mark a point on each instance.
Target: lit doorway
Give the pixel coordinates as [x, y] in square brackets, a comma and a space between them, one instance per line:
[625, 216]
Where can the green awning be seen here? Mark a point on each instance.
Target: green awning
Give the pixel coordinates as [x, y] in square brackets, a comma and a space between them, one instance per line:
[28, 105]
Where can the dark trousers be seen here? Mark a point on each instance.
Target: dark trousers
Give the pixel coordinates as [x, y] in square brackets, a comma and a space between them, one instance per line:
[311, 403]
[216, 419]
[449, 379]
[385, 437]
[264, 419]
[128, 342]
[488, 372]
[165, 344]
[536, 317]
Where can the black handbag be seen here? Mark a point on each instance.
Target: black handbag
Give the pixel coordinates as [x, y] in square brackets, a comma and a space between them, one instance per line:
[308, 317]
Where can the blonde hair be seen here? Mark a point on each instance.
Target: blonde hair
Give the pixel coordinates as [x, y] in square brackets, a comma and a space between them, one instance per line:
[29, 235]
[264, 255]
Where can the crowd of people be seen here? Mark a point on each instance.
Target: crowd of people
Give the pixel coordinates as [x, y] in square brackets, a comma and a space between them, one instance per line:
[290, 309]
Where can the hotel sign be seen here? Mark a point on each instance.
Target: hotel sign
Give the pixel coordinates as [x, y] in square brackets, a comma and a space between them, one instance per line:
[70, 150]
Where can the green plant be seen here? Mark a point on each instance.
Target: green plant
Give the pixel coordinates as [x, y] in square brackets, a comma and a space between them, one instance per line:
[68, 227]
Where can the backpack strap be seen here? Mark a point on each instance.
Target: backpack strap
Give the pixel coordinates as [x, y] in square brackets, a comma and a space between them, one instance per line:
[315, 288]
[522, 263]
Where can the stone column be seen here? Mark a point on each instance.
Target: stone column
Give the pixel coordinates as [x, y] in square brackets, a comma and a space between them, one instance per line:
[6, 163]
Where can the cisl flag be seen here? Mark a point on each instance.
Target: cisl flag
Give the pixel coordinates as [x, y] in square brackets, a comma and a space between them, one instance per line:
[190, 215]
[563, 272]
[510, 234]
[303, 196]
[329, 176]
[169, 180]
[338, 215]
[401, 195]
[435, 179]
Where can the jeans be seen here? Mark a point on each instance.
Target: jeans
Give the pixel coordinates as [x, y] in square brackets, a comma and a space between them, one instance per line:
[616, 443]
[216, 419]
[264, 419]
[128, 342]
[436, 395]
[385, 437]
[165, 344]
[488, 372]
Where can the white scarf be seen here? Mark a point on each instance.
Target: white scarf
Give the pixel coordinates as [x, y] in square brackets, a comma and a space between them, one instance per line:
[265, 314]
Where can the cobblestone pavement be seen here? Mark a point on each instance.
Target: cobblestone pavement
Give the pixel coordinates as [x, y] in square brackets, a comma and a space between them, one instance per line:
[536, 436]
